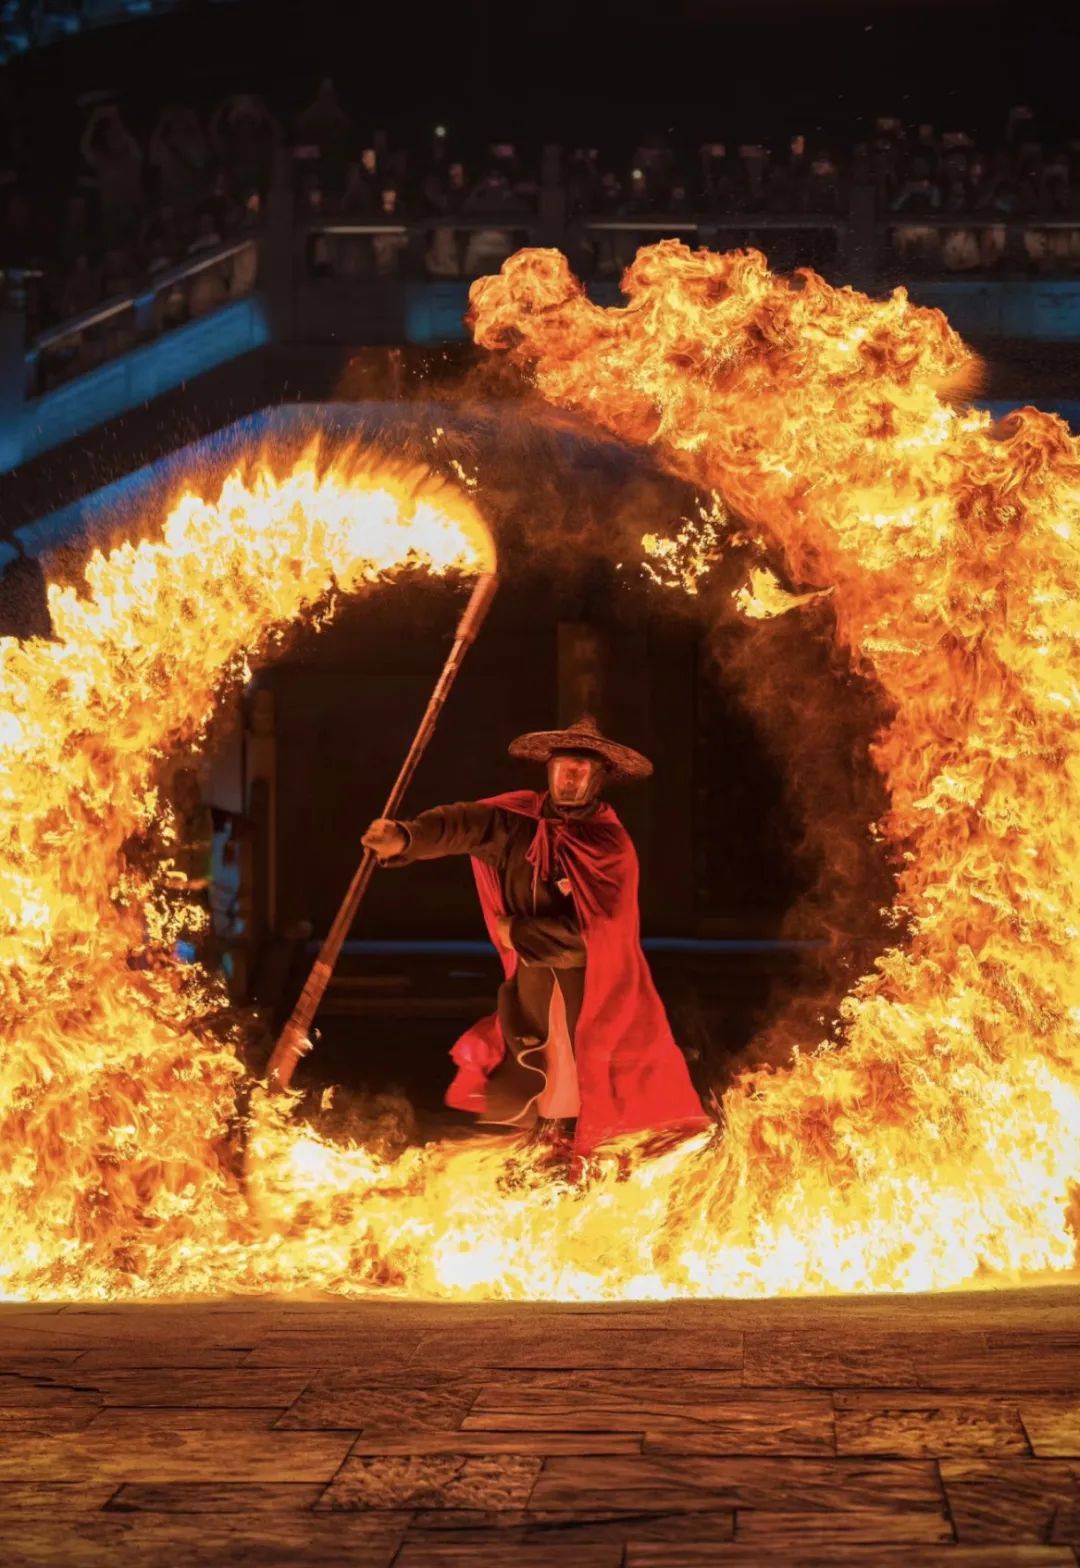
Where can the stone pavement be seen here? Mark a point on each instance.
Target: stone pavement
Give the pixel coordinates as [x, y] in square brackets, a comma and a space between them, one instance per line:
[914, 1430]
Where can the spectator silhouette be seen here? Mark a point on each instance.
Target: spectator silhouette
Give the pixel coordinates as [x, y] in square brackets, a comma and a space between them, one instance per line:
[821, 191]
[116, 160]
[325, 126]
[246, 136]
[717, 185]
[82, 289]
[180, 153]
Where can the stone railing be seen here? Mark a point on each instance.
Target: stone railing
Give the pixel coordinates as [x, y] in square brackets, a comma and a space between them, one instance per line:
[339, 280]
[168, 299]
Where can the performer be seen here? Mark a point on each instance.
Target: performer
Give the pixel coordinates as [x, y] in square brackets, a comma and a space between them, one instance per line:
[580, 1048]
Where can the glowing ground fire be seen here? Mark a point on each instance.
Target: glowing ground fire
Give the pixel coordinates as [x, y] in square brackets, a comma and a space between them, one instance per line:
[932, 1140]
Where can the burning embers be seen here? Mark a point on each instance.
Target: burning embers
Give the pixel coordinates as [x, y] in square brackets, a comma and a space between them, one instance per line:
[932, 1142]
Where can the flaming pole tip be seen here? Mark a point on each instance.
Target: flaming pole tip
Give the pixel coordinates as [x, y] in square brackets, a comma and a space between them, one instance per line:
[474, 613]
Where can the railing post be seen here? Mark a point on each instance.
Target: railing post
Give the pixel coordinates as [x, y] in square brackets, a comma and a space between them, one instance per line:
[1015, 255]
[860, 255]
[552, 199]
[12, 374]
[279, 243]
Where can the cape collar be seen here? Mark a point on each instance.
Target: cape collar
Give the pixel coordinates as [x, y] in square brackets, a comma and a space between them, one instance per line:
[551, 812]
[530, 803]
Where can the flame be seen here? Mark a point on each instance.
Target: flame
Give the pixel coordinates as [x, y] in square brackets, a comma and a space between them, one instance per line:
[682, 558]
[937, 1136]
[762, 597]
[115, 1099]
[931, 1141]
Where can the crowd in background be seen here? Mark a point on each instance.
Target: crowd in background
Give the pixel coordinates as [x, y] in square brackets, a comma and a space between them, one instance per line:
[134, 208]
[140, 202]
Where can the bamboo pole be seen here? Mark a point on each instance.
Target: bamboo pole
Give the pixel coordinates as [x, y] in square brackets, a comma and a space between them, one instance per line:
[294, 1041]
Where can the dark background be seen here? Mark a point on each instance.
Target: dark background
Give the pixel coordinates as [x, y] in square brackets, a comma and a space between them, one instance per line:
[602, 73]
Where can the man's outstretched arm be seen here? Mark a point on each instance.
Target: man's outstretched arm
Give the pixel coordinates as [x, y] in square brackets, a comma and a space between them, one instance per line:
[465, 828]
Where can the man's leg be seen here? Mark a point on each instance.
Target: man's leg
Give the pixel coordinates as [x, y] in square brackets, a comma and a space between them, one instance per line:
[519, 1079]
[560, 1100]
[572, 985]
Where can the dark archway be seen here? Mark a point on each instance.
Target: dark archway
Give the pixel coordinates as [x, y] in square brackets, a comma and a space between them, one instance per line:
[747, 910]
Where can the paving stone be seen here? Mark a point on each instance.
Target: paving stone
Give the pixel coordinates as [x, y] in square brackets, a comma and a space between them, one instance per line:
[691, 1482]
[793, 1530]
[160, 1308]
[796, 1359]
[171, 1449]
[362, 1352]
[1027, 1368]
[1026, 1310]
[1023, 1340]
[1065, 1526]
[417, 1553]
[148, 1324]
[124, 1358]
[29, 1405]
[56, 1496]
[529, 1320]
[433, 1481]
[17, 1346]
[710, 1382]
[1052, 1423]
[398, 1402]
[20, 1311]
[209, 1445]
[678, 1414]
[759, 1422]
[379, 1442]
[382, 1316]
[213, 1497]
[74, 1418]
[202, 1541]
[140, 1343]
[565, 1347]
[607, 1317]
[206, 1388]
[41, 1392]
[565, 1532]
[196, 1310]
[36, 1363]
[128, 1423]
[1009, 1499]
[913, 1425]
[567, 1529]
[811, 1554]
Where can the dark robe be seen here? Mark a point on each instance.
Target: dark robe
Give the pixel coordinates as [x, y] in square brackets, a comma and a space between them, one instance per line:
[568, 882]
[544, 933]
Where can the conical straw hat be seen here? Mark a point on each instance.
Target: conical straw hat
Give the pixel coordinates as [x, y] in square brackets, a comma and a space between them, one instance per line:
[584, 735]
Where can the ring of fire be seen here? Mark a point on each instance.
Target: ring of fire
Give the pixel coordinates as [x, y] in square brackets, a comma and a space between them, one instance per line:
[932, 1143]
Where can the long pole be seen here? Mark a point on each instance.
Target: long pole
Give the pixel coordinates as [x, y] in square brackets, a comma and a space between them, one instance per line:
[294, 1042]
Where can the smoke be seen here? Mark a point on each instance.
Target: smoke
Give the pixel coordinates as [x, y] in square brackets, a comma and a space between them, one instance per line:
[815, 716]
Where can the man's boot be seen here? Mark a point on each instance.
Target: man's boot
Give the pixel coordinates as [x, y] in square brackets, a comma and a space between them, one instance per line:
[554, 1135]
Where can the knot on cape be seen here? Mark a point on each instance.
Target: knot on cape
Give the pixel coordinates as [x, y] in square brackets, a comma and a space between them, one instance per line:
[550, 831]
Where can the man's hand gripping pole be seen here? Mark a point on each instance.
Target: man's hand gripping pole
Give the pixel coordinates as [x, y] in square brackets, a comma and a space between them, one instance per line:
[294, 1040]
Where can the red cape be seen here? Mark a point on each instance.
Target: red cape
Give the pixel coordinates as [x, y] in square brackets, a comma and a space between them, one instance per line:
[631, 1073]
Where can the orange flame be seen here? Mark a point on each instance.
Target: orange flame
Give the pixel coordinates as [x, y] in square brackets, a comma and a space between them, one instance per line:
[933, 1143]
[114, 1102]
[938, 1137]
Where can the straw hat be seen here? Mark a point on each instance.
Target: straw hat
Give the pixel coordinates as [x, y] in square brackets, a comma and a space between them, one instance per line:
[584, 735]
